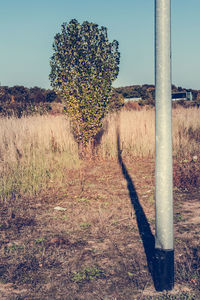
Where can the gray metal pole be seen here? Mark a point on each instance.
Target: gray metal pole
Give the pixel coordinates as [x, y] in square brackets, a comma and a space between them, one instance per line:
[164, 248]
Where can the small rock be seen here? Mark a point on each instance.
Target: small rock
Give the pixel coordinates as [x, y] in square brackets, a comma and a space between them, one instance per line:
[60, 208]
[195, 158]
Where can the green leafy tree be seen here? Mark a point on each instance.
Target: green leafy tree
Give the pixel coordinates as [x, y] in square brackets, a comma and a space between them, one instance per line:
[83, 66]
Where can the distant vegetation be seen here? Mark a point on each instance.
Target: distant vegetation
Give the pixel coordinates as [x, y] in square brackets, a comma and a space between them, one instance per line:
[19, 100]
[147, 93]
[22, 101]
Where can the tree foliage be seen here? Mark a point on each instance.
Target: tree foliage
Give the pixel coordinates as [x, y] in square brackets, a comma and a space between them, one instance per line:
[22, 101]
[83, 66]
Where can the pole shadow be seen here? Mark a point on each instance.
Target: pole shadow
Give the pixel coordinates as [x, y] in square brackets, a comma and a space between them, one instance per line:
[143, 226]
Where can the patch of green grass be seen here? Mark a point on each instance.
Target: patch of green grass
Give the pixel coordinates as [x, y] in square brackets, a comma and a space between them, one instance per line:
[71, 182]
[152, 199]
[130, 275]
[94, 250]
[64, 217]
[64, 194]
[115, 222]
[87, 274]
[60, 217]
[40, 240]
[14, 247]
[82, 200]
[85, 225]
[178, 217]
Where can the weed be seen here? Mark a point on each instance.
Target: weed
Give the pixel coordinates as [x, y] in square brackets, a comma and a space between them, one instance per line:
[115, 222]
[152, 199]
[64, 195]
[178, 217]
[130, 275]
[71, 182]
[94, 250]
[60, 217]
[87, 274]
[40, 240]
[83, 200]
[13, 247]
[85, 225]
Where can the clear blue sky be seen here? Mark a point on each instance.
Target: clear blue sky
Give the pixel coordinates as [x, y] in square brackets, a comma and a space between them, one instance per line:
[27, 30]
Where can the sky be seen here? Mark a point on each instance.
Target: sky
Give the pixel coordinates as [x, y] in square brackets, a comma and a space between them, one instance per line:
[28, 27]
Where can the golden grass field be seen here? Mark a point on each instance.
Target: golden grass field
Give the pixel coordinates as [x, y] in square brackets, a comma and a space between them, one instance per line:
[35, 151]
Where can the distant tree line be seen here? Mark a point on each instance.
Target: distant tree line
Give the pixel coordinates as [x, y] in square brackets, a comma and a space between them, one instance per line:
[19, 101]
[147, 93]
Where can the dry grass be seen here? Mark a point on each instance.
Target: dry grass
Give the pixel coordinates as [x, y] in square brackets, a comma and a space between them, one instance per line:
[35, 152]
[136, 130]
[137, 133]
[186, 122]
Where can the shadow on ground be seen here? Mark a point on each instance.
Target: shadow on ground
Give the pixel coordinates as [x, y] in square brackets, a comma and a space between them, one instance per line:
[142, 222]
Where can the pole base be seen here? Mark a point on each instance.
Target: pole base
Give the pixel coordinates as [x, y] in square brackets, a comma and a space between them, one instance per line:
[163, 270]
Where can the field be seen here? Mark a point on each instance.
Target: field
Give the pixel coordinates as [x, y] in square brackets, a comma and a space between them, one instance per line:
[75, 228]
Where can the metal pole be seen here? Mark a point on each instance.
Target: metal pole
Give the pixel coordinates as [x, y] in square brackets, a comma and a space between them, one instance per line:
[164, 248]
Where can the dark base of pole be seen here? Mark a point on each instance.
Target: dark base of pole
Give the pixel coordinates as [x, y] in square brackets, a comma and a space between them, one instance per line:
[163, 270]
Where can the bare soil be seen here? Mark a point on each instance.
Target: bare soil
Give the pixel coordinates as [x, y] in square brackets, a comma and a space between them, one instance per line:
[99, 246]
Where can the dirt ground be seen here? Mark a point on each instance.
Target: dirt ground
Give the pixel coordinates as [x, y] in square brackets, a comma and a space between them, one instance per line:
[93, 238]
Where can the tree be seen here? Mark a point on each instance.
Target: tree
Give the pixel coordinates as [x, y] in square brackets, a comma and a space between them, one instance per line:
[83, 66]
[51, 96]
[20, 93]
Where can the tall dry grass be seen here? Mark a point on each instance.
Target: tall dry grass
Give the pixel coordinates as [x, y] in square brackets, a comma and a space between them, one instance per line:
[137, 133]
[36, 151]
[186, 132]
